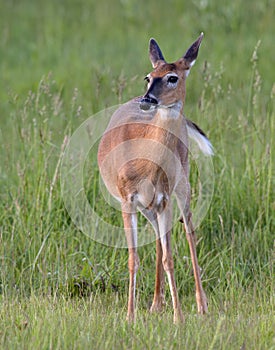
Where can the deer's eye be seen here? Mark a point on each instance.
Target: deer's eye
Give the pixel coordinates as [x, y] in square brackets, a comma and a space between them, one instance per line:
[172, 79]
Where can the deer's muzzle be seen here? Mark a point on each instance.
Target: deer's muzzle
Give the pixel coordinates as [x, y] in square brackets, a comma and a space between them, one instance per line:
[148, 102]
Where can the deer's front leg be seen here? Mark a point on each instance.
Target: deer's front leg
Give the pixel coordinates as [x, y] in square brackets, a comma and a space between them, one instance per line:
[159, 299]
[133, 264]
[130, 227]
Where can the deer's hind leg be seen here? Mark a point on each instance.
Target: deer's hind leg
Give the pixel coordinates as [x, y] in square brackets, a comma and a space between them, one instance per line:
[183, 198]
[164, 221]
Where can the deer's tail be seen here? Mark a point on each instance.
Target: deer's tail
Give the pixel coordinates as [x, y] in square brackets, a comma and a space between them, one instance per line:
[195, 133]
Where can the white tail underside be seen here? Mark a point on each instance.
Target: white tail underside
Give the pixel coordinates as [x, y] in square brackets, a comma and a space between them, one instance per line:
[202, 141]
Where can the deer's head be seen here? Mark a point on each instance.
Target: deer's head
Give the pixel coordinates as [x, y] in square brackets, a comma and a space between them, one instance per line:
[166, 83]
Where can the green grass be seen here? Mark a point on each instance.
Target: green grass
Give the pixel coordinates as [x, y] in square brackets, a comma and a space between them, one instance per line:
[64, 61]
[98, 322]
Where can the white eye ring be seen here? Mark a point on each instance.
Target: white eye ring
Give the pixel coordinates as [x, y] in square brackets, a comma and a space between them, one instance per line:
[172, 80]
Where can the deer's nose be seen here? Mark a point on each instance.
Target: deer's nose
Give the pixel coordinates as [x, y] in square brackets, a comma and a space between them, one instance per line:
[147, 102]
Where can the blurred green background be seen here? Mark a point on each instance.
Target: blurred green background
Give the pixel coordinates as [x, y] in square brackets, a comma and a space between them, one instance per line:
[63, 61]
[80, 40]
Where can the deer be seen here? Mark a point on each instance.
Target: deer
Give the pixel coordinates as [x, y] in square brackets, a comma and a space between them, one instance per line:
[143, 160]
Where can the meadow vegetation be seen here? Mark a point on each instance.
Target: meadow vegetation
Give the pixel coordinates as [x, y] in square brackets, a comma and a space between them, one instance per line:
[64, 61]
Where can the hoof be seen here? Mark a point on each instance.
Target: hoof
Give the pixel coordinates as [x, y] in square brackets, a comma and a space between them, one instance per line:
[157, 307]
[178, 317]
[130, 318]
[202, 303]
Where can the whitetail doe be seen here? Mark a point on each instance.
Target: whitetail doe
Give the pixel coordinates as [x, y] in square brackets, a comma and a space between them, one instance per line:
[143, 160]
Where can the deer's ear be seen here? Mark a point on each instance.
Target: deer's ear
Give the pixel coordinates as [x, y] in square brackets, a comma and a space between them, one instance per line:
[155, 53]
[192, 53]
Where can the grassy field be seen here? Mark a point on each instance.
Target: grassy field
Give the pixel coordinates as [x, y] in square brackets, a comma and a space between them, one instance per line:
[64, 61]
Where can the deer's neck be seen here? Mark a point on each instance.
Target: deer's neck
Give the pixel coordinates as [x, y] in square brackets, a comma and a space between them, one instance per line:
[169, 121]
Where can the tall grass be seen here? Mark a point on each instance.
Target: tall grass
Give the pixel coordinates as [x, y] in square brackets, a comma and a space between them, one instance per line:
[63, 62]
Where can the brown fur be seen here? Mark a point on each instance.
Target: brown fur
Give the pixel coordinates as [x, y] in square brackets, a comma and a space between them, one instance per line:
[143, 159]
